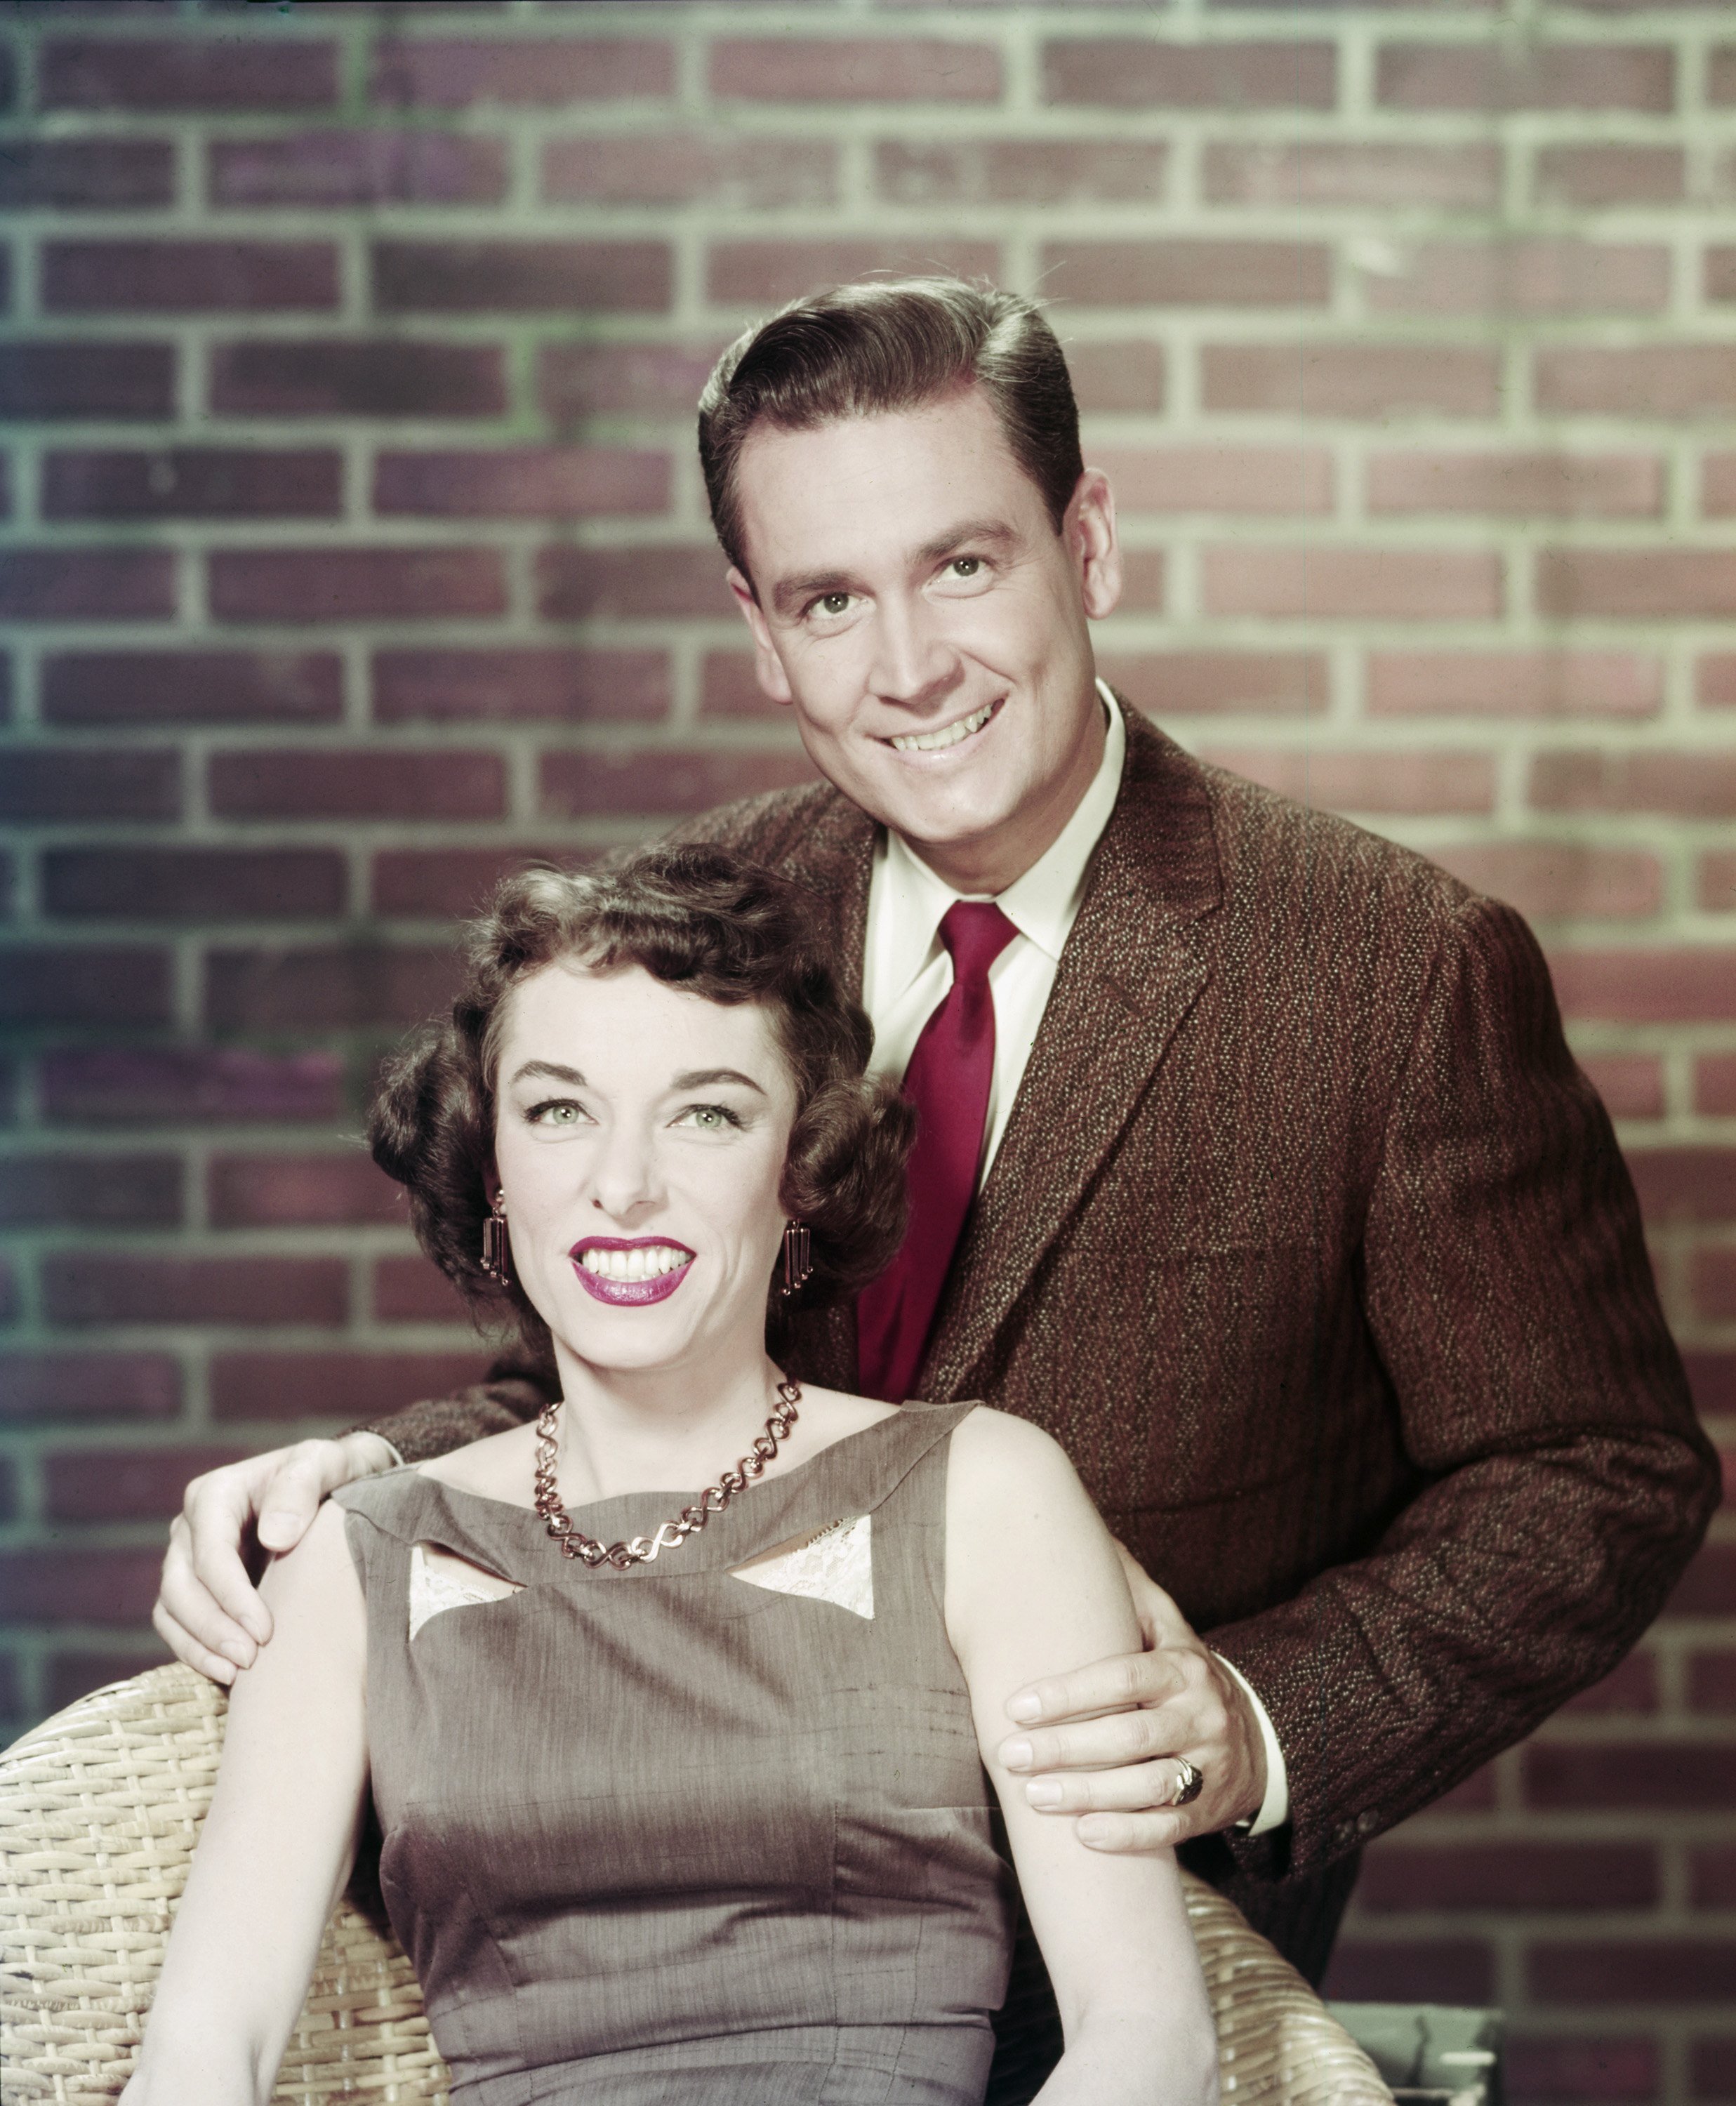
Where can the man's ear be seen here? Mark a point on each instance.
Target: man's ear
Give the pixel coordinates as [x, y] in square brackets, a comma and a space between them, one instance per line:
[1089, 530]
[768, 667]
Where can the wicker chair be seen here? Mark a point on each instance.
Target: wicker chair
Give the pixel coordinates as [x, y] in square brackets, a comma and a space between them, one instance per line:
[99, 1812]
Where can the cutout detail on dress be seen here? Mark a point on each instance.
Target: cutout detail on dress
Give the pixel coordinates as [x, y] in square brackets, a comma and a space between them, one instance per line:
[836, 1564]
[441, 1579]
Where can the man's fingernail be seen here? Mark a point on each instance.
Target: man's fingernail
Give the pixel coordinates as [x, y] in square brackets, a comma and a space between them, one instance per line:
[1025, 1708]
[1016, 1754]
[1043, 1791]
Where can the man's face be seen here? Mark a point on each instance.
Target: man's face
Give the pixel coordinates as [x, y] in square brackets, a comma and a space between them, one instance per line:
[915, 606]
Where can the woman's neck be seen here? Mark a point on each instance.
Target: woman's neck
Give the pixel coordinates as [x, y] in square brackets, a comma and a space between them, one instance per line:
[653, 1429]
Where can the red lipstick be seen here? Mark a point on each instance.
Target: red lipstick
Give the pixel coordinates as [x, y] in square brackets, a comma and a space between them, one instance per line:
[630, 1293]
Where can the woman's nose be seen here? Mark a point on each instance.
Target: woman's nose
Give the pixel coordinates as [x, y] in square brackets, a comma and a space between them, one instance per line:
[624, 1174]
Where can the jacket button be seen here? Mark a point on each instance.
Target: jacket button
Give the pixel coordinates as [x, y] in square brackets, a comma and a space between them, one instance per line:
[1367, 1823]
[1346, 1832]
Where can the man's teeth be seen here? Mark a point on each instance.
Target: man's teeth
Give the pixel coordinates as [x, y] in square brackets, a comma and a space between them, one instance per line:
[646, 1261]
[931, 742]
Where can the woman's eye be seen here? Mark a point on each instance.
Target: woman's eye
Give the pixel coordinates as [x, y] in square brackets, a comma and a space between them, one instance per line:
[709, 1119]
[560, 1112]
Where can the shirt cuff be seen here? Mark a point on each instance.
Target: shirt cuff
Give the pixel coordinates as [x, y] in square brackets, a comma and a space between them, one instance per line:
[1275, 1808]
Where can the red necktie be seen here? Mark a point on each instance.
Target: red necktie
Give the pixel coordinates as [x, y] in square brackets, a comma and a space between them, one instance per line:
[947, 1082]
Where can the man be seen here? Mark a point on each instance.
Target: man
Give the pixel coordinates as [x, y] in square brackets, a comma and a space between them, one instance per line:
[1281, 1203]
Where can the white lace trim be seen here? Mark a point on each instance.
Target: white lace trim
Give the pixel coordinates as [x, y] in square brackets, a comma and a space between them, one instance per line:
[836, 1565]
[435, 1588]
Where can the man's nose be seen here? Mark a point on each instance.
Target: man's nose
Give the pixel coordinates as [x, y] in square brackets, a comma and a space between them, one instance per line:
[912, 662]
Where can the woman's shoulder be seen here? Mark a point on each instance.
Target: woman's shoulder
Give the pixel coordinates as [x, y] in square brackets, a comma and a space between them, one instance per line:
[994, 1451]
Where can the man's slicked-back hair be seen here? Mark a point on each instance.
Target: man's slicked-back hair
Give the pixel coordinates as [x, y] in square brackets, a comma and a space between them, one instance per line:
[866, 348]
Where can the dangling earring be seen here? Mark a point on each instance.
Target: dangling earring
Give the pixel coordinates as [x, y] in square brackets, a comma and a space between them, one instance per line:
[496, 1254]
[798, 1259]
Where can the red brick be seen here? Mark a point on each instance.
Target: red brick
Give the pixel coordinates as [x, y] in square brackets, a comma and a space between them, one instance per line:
[186, 73]
[1517, 485]
[1475, 1794]
[1715, 681]
[1712, 1283]
[456, 72]
[519, 482]
[301, 1191]
[1359, 381]
[354, 377]
[188, 277]
[1483, 77]
[578, 381]
[1513, 683]
[411, 1290]
[136, 1484]
[345, 583]
[1660, 986]
[1712, 1874]
[82, 1586]
[1662, 380]
[760, 273]
[1435, 1970]
[47, 1388]
[189, 1086]
[1020, 171]
[1632, 1687]
[1638, 584]
[854, 69]
[1631, 1086]
[520, 684]
[1600, 176]
[1711, 1683]
[1721, 75]
[1686, 784]
[1219, 478]
[1712, 2064]
[350, 782]
[1443, 781]
[1308, 581]
[193, 482]
[103, 174]
[1632, 1775]
[194, 884]
[1577, 2070]
[339, 1388]
[521, 277]
[1109, 377]
[352, 986]
[108, 983]
[46, 783]
[584, 785]
[1714, 1074]
[63, 381]
[724, 172]
[1662, 1970]
[1292, 173]
[1189, 273]
[1532, 278]
[1138, 73]
[442, 884]
[1509, 1876]
[1707, 1588]
[193, 687]
[1721, 274]
[39, 1191]
[1718, 486]
[1551, 881]
[333, 168]
[1143, 574]
[87, 584]
[75, 1673]
[114, 1287]
[728, 688]
[631, 583]
[1166, 684]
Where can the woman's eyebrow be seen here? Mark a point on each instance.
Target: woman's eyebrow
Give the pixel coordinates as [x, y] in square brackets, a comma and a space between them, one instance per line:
[700, 1078]
[553, 1070]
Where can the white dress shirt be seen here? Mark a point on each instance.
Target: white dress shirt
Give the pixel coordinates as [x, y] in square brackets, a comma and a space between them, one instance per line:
[907, 971]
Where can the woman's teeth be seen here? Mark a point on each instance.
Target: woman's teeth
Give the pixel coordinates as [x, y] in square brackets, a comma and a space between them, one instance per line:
[648, 1261]
[932, 741]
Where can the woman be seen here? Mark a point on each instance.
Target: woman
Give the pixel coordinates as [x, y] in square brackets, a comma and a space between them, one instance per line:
[682, 1795]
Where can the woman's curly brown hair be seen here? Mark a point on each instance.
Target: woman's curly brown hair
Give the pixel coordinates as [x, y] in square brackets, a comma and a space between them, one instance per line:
[705, 921]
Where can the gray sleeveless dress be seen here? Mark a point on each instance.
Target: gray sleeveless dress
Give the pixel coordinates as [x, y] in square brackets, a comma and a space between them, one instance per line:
[667, 1835]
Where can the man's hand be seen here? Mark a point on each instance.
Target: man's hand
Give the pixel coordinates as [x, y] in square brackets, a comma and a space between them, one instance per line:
[1107, 1737]
[207, 1612]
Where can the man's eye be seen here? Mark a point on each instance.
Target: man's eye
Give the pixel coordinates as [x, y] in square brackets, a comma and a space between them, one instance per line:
[965, 567]
[833, 603]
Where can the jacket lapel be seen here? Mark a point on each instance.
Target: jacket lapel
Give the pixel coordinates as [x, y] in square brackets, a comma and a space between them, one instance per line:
[1133, 967]
[831, 856]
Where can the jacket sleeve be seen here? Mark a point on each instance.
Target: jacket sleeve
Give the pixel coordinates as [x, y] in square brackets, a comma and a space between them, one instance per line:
[516, 1389]
[1566, 1483]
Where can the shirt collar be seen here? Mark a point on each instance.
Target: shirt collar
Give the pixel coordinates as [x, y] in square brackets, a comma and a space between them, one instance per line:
[1041, 905]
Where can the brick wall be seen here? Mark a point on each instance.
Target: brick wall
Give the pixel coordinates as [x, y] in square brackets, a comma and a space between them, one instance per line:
[357, 547]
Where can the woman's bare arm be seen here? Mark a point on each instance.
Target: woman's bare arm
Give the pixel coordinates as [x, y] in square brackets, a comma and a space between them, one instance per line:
[1035, 1587]
[276, 1847]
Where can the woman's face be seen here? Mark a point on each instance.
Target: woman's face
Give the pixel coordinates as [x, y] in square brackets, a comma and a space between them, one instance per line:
[639, 1139]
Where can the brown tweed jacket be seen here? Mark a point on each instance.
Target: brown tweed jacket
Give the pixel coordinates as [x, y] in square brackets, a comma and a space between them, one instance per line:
[1312, 1247]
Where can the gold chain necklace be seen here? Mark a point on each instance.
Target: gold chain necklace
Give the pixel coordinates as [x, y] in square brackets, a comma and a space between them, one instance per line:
[641, 1549]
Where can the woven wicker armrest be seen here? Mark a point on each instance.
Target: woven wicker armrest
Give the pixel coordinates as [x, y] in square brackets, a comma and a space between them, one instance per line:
[100, 1810]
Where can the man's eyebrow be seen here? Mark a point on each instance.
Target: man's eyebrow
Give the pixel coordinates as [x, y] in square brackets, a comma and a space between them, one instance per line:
[552, 1069]
[790, 595]
[984, 533]
[701, 1078]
